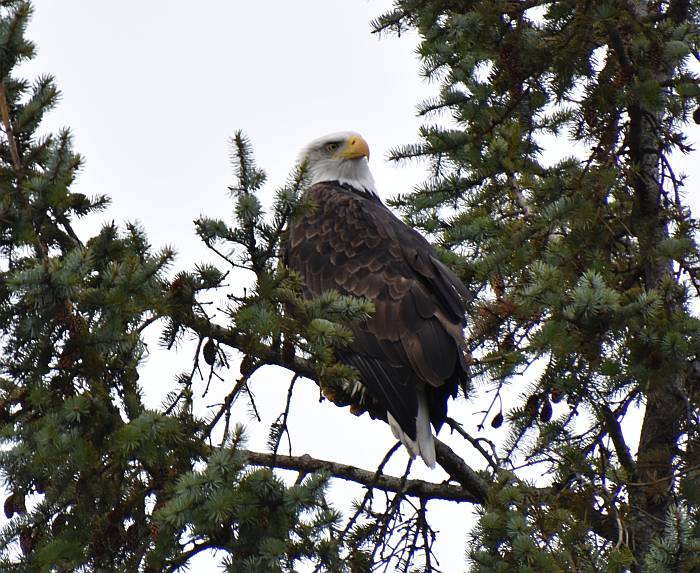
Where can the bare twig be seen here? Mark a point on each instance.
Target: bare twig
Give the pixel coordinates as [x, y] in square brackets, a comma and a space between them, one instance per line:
[457, 427]
[284, 416]
[228, 402]
[369, 492]
[389, 520]
[425, 529]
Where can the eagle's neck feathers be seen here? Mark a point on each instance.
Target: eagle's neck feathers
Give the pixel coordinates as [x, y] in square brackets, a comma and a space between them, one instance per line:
[354, 173]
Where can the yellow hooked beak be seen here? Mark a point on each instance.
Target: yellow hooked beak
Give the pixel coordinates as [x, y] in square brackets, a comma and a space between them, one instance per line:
[355, 148]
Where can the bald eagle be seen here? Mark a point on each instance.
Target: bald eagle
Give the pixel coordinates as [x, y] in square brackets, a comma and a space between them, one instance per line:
[410, 354]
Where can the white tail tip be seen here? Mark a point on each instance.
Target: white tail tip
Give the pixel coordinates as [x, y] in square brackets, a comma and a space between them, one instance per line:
[424, 444]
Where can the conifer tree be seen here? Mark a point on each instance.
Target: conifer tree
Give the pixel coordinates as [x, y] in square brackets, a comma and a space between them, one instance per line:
[585, 274]
[586, 267]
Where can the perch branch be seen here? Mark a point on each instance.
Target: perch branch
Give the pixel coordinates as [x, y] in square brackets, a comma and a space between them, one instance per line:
[413, 487]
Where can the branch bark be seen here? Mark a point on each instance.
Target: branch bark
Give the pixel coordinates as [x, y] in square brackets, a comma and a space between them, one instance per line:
[413, 487]
[265, 354]
[618, 440]
[461, 472]
[472, 488]
[7, 124]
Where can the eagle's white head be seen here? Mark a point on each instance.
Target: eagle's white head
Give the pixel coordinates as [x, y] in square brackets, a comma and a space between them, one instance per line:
[342, 157]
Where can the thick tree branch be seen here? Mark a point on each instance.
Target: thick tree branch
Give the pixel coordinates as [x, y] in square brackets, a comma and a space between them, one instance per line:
[615, 432]
[618, 45]
[665, 399]
[472, 487]
[265, 354]
[461, 472]
[453, 464]
[413, 487]
[603, 525]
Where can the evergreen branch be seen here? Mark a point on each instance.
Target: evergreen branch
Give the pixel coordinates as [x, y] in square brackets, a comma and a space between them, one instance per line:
[72, 238]
[448, 459]
[412, 487]
[216, 251]
[180, 562]
[392, 20]
[606, 526]
[40, 248]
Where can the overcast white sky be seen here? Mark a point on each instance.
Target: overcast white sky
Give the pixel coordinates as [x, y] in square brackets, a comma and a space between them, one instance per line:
[153, 90]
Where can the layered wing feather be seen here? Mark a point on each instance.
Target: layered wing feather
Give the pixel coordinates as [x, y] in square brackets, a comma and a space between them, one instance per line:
[350, 242]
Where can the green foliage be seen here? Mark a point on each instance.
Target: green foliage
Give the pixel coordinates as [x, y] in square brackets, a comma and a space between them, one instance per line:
[679, 548]
[517, 533]
[261, 523]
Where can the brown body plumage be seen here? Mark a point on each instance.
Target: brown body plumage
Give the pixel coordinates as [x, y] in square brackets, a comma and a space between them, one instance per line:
[410, 353]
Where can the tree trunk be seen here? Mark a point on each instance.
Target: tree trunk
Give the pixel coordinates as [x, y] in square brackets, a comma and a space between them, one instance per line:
[651, 494]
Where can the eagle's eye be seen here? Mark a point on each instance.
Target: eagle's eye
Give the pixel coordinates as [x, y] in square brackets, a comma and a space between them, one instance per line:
[333, 146]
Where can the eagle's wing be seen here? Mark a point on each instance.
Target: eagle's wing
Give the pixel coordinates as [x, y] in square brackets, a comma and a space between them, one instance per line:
[352, 243]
